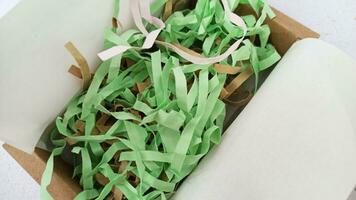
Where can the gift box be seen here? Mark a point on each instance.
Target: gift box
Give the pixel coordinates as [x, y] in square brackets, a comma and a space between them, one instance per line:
[284, 32]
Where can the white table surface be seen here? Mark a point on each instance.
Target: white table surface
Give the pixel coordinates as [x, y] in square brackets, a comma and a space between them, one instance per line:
[334, 20]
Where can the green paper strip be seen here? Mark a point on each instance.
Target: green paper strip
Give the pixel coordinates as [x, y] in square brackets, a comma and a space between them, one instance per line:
[158, 135]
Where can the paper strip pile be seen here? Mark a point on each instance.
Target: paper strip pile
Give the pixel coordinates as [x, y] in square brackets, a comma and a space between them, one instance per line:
[155, 106]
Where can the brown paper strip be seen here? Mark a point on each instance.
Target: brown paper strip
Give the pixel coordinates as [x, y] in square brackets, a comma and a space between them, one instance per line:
[167, 10]
[236, 83]
[129, 62]
[118, 107]
[83, 64]
[70, 141]
[118, 195]
[227, 69]
[101, 123]
[142, 86]
[221, 68]
[218, 41]
[114, 22]
[111, 142]
[123, 165]
[241, 102]
[102, 180]
[75, 71]
[80, 126]
[181, 4]
[110, 197]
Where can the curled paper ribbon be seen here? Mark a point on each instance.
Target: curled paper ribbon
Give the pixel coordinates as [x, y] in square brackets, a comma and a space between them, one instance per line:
[140, 9]
[235, 19]
[236, 83]
[240, 102]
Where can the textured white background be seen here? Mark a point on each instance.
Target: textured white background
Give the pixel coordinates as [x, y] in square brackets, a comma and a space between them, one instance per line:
[334, 20]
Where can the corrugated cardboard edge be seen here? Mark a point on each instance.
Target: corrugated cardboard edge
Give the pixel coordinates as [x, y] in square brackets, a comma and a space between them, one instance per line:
[284, 32]
[284, 28]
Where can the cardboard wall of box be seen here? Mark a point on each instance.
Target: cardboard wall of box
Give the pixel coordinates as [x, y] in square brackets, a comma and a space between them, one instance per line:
[284, 32]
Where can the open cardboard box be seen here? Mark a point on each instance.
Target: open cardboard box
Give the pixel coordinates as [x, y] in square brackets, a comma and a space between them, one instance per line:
[284, 32]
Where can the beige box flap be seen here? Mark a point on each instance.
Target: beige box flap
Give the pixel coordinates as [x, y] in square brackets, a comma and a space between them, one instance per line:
[34, 83]
[295, 140]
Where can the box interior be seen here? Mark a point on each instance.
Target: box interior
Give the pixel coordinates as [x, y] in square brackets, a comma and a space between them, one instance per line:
[284, 32]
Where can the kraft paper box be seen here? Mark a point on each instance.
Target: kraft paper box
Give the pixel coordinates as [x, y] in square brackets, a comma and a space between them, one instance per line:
[284, 32]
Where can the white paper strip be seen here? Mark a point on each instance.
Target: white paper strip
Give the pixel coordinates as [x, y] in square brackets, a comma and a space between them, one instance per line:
[296, 138]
